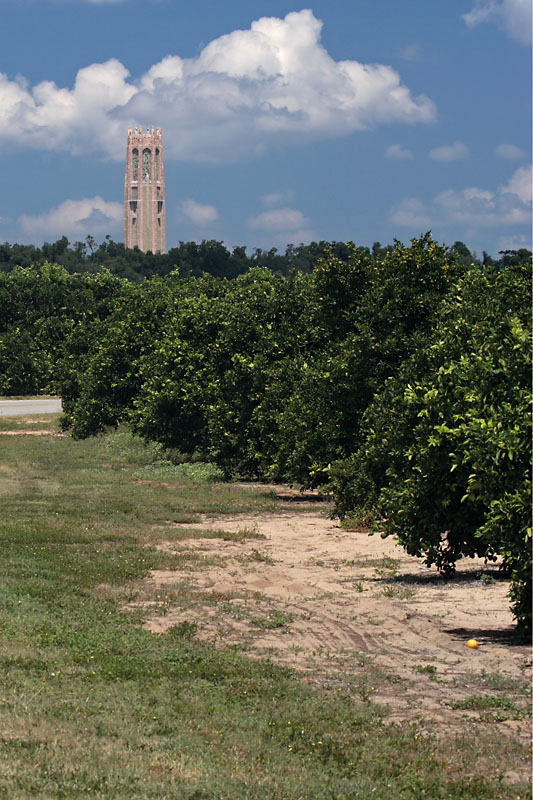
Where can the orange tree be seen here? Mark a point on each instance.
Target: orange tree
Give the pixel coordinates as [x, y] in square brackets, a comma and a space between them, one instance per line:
[268, 376]
[40, 307]
[446, 460]
[210, 369]
[364, 318]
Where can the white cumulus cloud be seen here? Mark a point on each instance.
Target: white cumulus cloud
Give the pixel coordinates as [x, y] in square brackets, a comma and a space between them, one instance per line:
[278, 219]
[245, 92]
[276, 198]
[449, 152]
[520, 184]
[411, 213]
[398, 152]
[411, 52]
[479, 208]
[514, 243]
[514, 16]
[80, 217]
[283, 226]
[509, 151]
[199, 214]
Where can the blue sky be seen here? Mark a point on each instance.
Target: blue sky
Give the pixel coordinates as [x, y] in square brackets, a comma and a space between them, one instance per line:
[358, 120]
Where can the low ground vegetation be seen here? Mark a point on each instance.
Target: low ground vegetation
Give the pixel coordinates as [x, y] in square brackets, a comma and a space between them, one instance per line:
[94, 705]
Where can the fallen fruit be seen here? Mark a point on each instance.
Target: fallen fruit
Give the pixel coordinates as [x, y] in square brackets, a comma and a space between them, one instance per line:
[472, 643]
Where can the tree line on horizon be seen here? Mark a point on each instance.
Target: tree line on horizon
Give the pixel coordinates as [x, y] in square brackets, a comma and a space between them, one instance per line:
[398, 381]
[193, 259]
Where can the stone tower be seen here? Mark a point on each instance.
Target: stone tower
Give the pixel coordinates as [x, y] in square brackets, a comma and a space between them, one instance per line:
[144, 191]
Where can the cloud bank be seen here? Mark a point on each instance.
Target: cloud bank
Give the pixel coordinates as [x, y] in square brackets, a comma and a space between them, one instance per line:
[246, 92]
[75, 217]
[478, 208]
[276, 198]
[514, 16]
[449, 152]
[283, 225]
[398, 152]
[197, 213]
[509, 151]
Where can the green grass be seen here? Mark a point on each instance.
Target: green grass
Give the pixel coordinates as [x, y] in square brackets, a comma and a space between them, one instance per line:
[430, 670]
[495, 680]
[94, 706]
[167, 471]
[399, 592]
[257, 555]
[386, 566]
[183, 533]
[277, 619]
[41, 422]
[499, 707]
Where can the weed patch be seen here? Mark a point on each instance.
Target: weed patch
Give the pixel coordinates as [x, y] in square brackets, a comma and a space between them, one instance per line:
[277, 619]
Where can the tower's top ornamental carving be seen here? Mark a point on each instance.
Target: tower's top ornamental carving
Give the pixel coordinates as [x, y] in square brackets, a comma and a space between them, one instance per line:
[139, 136]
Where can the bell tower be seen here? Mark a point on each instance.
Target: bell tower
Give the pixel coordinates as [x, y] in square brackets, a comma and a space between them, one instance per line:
[144, 191]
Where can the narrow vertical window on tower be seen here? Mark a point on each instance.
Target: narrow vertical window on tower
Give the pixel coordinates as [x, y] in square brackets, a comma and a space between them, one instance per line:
[135, 164]
[157, 163]
[147, 164]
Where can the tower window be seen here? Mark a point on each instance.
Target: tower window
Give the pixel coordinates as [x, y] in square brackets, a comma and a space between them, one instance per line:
[147, 164]
[135, 163]
[159, 206]
[133, 220]
[133, 205]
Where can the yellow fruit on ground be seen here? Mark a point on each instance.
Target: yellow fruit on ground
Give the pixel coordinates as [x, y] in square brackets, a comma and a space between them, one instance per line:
[472, 643]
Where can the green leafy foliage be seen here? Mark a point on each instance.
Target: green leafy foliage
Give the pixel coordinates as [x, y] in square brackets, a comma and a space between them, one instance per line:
[365, 317]
[399, 378]
[267, 376]
[446, 460]
[109, 346]
[211, 369]
[192, 259]
[41, 307]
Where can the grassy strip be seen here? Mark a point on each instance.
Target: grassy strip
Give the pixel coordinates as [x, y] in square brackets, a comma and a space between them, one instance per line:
[91, 705]
[41, 422]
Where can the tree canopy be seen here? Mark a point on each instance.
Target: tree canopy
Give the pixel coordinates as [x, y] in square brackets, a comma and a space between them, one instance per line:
[397, 378]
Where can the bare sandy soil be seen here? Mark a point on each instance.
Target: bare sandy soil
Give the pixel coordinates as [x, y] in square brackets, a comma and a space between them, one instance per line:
[350, 611]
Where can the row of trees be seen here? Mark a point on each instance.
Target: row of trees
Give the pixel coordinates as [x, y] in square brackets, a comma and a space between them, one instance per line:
[195, 259]
[190, 258]
[397, 379]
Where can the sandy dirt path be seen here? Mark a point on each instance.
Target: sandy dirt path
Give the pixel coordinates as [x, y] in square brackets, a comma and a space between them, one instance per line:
[352, 612]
